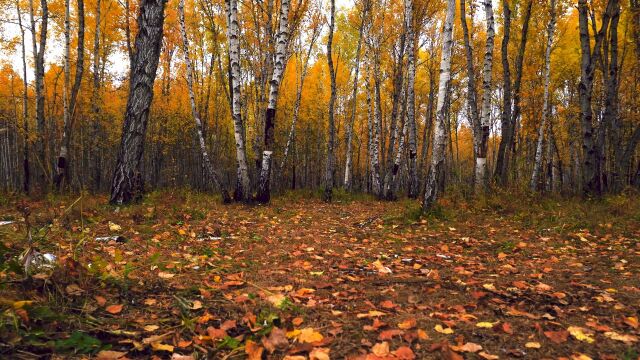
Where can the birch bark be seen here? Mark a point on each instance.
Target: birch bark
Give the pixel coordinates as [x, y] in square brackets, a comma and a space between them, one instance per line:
[436, 172]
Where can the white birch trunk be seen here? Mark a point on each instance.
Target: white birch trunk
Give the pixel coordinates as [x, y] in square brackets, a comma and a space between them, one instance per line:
[348, 177]
[330, 163]
[485, 117]
[537, 166]
[243, 190]
[376, 185]
[264, 188]
[194, 111]
[411, 101]
[436, 172]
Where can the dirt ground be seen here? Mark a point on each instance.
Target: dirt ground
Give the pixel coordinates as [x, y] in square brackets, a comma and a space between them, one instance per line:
[190, 278]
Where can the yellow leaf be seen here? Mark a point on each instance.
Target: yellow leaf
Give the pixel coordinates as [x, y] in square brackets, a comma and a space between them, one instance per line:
[484, 324]
[372, 313]
[380, 349]
[533, 345]
[158, 346]
[20, 304]
[151, 328]
[309, 335]
[165, 275]
[114, 227]
[627, 339]
[293, 333]
[578, 333]
[442, 330]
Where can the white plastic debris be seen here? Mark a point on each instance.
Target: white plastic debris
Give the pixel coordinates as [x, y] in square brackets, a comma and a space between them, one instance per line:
[6, 222]
[33, 261]
[117, 238]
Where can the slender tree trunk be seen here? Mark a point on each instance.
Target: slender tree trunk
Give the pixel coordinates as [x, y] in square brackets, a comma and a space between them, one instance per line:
[330, 163]
[264, 187]
[243, 189]
[428, 121]
[26, 180]
[128, 183]
[537, 165]
[208, 165]
[505, 128]
[472, 92]
[39, 45]
[435, 178]
[485, 116]
[69, 95]
[348, 176]
[510, 138]
[376, 184]
[96, 171]
[296, 106]
[411, 102]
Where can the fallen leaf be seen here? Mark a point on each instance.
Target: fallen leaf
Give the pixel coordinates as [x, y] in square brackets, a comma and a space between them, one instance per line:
[380, 349]
[100, 300]
[404, 353]
[467, 347]
[114, 309]
[197, 304]
[485, 325]
[158, 346]
[216, 334]
[533, 345]
[277, 340]
[580, 334]
[372, 313]
[309, 335]
[165, 275]
[557, 337]
[114, 226]
[389, 334]
[407, 324]
[110, 355]
[488, 356]
[442, 330]
[253, 350]
[627, 339]
[151, 328]
[319, 354]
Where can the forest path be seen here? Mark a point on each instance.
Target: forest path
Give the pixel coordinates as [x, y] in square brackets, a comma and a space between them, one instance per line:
[359, 279]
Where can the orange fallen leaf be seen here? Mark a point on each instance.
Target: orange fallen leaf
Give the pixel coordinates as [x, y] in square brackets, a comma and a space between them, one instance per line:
[404, 353]
[557, 337]
[253, 350]
[380, 349]
[407, 324]
[114, 309]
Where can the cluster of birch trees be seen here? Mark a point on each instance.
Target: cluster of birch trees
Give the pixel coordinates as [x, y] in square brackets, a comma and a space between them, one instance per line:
[385, 97]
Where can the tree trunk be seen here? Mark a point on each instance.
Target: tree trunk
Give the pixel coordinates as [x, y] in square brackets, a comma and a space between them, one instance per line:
[128, 184]
[589, 59]
[26, 180]
[472, 92]
[243, 189]
[330, 164]
[485, 116]
[296, 106]
[436, 173]
[39, 45]
[208, 165]
[505, 128]
[411, 101]
[96, 171]
[264, 188]
[376, 185]
[537, 164]
[348, 176]
[69, 95]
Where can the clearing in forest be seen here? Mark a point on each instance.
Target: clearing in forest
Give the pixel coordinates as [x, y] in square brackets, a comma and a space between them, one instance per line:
[185, 277]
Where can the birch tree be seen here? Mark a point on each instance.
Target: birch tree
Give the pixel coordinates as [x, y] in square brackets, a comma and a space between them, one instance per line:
[411, 101]
[264, 188]
[435, 178]
[537, 167]
[70, 96]
[330, 161]
[348, 177]
[127, 184]
[485, 117]
[243, 190]
[39, 43]
[208, 164]
[96, 171]
[26, 180]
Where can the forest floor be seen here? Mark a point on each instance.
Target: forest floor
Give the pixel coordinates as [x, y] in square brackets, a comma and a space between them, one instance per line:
[190, 278]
